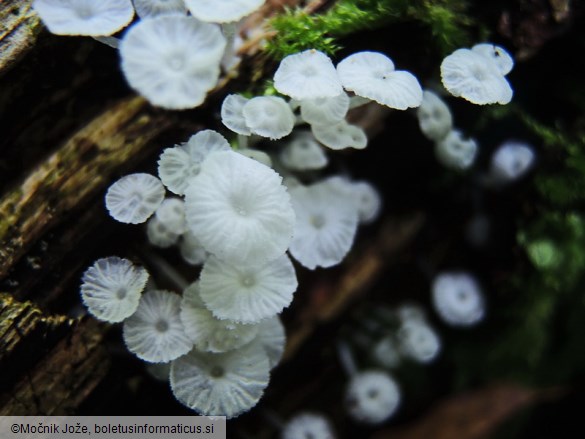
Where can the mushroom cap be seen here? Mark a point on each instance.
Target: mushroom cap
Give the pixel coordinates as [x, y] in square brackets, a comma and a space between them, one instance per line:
[497, 54]
[475, 78]
[191, 249]
[154, 332]
[232, 114]
[224, 11]
[455, 152]
[272, 337]
[178, 165]
[239, 210]
[269, 116]
[418, 341]
[367, 200]
[434, 117]
[458, 299]
[303, 153]
[248, 294]
[255, 154]
[151, 8]
[307, 75]
[372, 397]
[84, 17]
[172, 60]
[308, 425]
[340, 135]
[321, 111]
[159, 234]
[372, 75]
[386, 352]
[325, 225]
[134, 198]
[171, 213]
[511, 161]
[223, 384]
[111, 288]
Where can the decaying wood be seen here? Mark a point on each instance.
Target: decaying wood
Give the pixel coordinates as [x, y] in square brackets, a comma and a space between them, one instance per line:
[19, 27]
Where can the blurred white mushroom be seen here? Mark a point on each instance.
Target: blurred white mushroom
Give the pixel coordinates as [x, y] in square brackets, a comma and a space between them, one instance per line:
[268, 116]
[232, 114]
[159, 234]
[455, 152]
[418, 341]
[322, 111]
[272, 337]
[191, 249]
[511, 161]
[434, 117]
[340, 135]
[308, 426]
[458, 299]
[303, 153]
[372, 397]
[151, 8]
[223, 11]
[134, 198]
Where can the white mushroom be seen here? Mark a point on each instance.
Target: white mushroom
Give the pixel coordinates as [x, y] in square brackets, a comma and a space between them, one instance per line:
[232, 114]
[340, 135]
[159, 234]
[455, 152]
[386, 352]
[303, 153]
[458, 299]
[268, 116]
[511, 161]
[151, 8]
[372, 397]
[272, 337]
[434, 117]
[134, 198]
[418, 341]
[255, 154]
[191, 249]
[321, 111]
[223, 11]
[497, 54]
[308, 426]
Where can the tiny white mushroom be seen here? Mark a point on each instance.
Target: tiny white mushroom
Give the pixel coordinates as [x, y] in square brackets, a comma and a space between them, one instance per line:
[455, 152]
[386, 352]
[171, 213]
[134, 198]
[272, 337]
[372, 75]
[321, 111]
[191, 249]
[497, 54]
[232, 114]
[151, 8]
[458, 299]
[159, 234]
[511, 161]
[372, 397]
[434, 117]
[111, 288]
[224, 11]
[269, 116]
[418, 341]
[367, 200]
[340, 135]
[303, 153]
[308, 426]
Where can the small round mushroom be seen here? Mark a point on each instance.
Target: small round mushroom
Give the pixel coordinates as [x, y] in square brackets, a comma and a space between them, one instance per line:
[111, 288]
[303, 153]
[458, 299]
[268, 116]
[224, 11]
[307, 75]
[434, 117]
[511, 161]
[171, 213]
[154, 332]
[191, 249]
[159, 234]
[247, 294]
[134, 198]
[232, 114]
[497, 54]
[418, 341]
[308, 426]
[455, 152]
[386, 353]
[372, 397]
[340, 135]
[322, 111]
[372, 75]
[84, 17]
[225, 384]
[367, 200]
[152, 8]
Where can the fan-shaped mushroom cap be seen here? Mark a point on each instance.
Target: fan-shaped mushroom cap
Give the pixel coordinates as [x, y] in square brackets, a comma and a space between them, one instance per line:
[111, 288]
[178, 165]
[474, 77]
[340, 135]
[303, 153]
[225, 384]
[455, 152]
[134, 198]
[191, 249]
[208, 333]
[372, 397]
[84, 17]
[458, 299]
[224, 11]
[307, 75]
[232, 114]
[239, 210]
[497, 54]
[172, 60]
[159, 234]
[269, 116]
[248, 294]
[511, 161]
[372, 75]
[154, 332]
[325, 225]
[434, 117]
[151, 8]
[308, 425]
[321, 111]
[418, 341]
[271, 336]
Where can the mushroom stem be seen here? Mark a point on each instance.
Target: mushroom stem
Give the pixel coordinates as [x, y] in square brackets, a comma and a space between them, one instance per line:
[113, 42]
[346, 359]
[242, 141]
[273, 418]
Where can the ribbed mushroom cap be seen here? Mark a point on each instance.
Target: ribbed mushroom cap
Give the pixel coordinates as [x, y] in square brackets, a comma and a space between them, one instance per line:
[307, 75]
[340, 135]
[321, 111]
[172, 60]
[511, 161]
[308, 426]
[111, 288]
[134, 198]
[178, 165]
[239, 210]
[151, 8]
[224, 11]
[248, 294]
[372, 397]
[303, 153]
[232, 114]
[225, 384]
[418, 341]
[372, 75]
[269, 116]
[458, 299]
[434, 117]
[474, 77]
[84, 17]
[208, 333]
[455, 152]
[502, 59]
[154, 332]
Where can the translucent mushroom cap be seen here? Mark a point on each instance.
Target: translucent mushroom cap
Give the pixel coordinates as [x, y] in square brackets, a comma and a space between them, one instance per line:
[372, 75]
[154, 332]
[159, 234]
[272, 337]
[171, 213]
[458, 299]
[191, 249]
[372, 397]
[84, 17]
[307, 75]
[134, 198]
[151, 8]
[172, 60]
[475, 77]
[224, 11]
[268, 116]
[225, 384]
[239, 210]
[248, 294]
[321, 111]
[386, 352]
[502, 59]
[367, 200]
[111, 288]
[418, 341]
[511, 161]
[308, 425]
[303, 153]
[434, 117]
[340, 135]
[455, 152]
[232, 114]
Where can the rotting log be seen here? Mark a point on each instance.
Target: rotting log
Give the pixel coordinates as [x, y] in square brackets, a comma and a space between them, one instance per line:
[19, 28]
